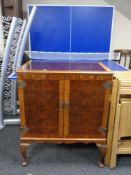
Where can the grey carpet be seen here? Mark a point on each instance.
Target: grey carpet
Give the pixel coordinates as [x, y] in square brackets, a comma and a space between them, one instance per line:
[52, 159]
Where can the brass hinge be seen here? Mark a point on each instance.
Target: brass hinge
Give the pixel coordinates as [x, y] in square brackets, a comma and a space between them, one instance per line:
[107, 85]
[103, 130]
[21, 84]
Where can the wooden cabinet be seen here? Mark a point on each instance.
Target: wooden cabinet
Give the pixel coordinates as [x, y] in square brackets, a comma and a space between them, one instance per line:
[12, 8]
[63, 106]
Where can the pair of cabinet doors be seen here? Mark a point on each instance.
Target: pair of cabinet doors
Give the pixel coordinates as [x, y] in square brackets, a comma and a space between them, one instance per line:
[65, 105]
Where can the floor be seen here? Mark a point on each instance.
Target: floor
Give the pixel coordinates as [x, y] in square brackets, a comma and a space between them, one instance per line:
[52, 159]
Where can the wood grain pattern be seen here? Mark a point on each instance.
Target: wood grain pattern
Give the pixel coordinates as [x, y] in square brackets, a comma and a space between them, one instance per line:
[88, 106]
[42, 106]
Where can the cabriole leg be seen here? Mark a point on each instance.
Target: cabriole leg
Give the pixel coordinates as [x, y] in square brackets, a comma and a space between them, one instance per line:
[23, 149]
[102, 149]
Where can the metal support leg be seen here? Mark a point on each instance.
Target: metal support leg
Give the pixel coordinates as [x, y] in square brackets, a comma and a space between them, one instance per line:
[13, 83]
[11, 121]
[25, 36]
[4, 68]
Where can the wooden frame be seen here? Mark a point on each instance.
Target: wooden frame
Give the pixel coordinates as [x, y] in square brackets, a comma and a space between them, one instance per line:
[116, 142]
[111, 121]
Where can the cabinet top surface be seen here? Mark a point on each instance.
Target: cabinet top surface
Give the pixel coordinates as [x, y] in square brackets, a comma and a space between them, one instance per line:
[68, 66]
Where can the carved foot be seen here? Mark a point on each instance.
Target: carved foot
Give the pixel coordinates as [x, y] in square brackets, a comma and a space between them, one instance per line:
[23, 149]
[102, 149]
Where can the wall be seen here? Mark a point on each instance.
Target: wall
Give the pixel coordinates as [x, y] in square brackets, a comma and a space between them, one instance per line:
[122, 21]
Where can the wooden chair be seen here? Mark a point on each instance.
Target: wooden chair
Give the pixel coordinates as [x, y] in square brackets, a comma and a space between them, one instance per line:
[123, 53]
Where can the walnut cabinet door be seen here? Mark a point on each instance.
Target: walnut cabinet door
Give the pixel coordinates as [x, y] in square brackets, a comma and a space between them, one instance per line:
[86, 105]
[41, 104]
